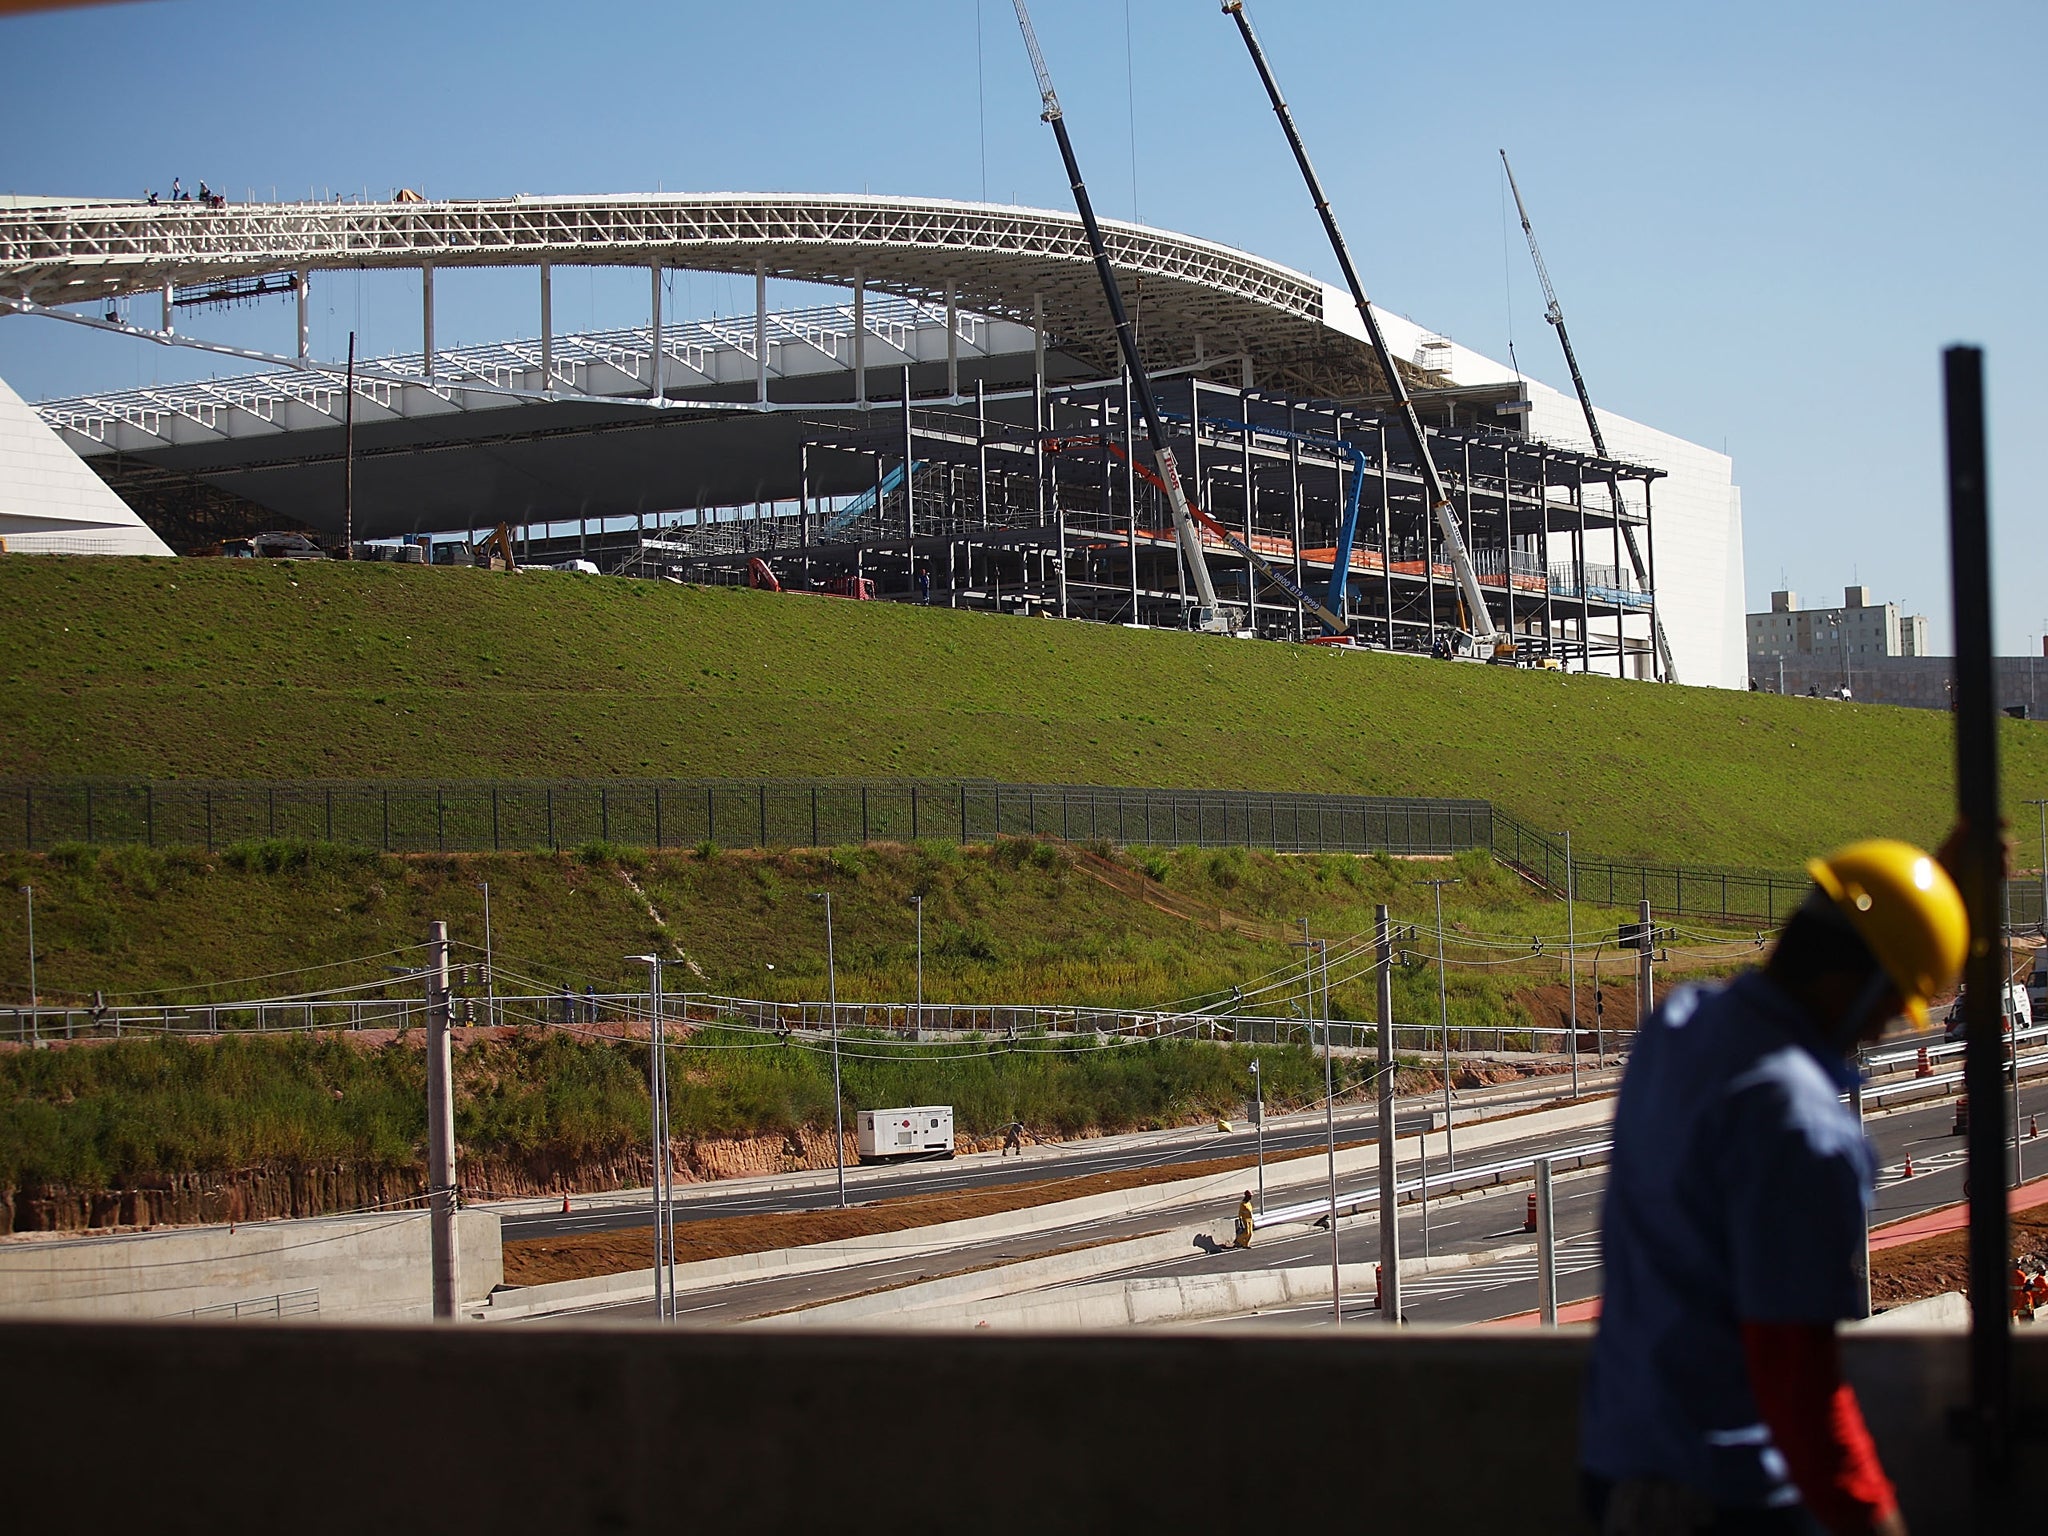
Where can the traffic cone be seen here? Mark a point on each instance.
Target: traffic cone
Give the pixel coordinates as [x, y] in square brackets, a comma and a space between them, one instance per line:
[1922, 1067]
[1907, 1172]
[1379, 1287]
[565, 1204]
[2033, 1127]
[1529, 1216]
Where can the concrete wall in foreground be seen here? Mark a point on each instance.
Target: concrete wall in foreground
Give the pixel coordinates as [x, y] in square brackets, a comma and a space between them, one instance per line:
[369, 1268]
[645, 1429]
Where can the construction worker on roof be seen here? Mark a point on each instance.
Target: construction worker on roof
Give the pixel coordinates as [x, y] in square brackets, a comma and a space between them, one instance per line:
[1734, 1226]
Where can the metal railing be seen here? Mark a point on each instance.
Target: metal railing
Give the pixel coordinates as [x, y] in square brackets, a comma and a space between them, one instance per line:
[474, 816]
[1449, 1180]
[795, 1020]
[283, 1304]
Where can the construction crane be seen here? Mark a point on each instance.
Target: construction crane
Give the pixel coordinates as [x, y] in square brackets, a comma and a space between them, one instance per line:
[1554, 313]
[1482, 626]
[1207, 614]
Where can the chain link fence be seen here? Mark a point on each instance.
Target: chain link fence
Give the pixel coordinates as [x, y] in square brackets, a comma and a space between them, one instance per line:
[463, 816]
[479, 816]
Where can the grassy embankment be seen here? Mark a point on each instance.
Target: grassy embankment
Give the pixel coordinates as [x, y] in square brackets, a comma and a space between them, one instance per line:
[281, 669]
[548, 1109]
[199, 669]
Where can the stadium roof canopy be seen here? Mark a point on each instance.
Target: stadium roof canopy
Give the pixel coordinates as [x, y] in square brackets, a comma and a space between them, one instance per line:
[1194, 298]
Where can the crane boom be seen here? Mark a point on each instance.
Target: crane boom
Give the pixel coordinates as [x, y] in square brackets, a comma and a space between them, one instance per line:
[1432, 478]
[1207, 614]
[1553, 312]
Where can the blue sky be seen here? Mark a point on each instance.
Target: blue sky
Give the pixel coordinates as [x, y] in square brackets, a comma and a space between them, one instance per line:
[1764, 220]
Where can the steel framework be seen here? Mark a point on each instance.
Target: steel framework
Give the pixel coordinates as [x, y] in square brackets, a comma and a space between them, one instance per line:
[1000, 261]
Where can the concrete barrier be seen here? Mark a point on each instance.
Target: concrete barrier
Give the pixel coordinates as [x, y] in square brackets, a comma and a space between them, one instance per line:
[635, 1429]
[356, 1267]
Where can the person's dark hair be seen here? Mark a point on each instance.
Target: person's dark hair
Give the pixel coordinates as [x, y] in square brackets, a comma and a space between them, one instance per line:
[1817, 941]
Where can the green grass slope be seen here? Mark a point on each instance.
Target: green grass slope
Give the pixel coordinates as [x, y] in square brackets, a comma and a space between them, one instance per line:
[273, 669]
[1017, 923]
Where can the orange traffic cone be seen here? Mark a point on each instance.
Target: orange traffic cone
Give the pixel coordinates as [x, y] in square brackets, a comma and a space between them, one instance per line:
[1529, 1217]
[2033, 1127]
[565, 1204]
[1922, 1067]
[1379, 1286]
[1907, 1172]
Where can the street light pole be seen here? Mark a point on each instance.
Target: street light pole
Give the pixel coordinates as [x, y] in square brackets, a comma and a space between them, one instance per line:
[1259, 1125]
[664, 1182]
[35, 997]
[1571, 954]
[2042, 807]
[1443, 1009]
[832, 1002]
[917, 1029]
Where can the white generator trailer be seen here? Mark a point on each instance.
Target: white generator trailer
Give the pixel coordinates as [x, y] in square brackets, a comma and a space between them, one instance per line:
[898, 1135]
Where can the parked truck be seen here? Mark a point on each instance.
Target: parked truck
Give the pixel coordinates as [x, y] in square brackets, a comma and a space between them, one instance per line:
[904, 1135]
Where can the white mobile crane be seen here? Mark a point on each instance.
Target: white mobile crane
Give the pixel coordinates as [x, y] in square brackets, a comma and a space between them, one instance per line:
[1554, 313]
[1165, 474]
[1483, 642]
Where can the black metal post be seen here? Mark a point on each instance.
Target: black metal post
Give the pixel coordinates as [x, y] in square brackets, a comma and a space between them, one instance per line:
[1987, 1420]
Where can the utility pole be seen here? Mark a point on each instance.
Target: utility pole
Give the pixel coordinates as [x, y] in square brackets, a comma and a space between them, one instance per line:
[1443, 1008]
[1571, 953]
[659, 1143]
[348, 457]
[441, 1123]
[1546, 1248]
[1646, 987]
[832, 1001]
[490, 972]
[1390, 1199]
[1259, 1126]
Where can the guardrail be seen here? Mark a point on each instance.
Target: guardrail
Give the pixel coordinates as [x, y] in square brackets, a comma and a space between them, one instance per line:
[1369, 1199]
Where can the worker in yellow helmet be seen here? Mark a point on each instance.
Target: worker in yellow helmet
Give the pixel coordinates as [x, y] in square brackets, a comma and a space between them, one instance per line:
[1733, 1230]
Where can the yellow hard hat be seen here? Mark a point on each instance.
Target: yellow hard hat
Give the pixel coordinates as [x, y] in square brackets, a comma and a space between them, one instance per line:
[1906, 908]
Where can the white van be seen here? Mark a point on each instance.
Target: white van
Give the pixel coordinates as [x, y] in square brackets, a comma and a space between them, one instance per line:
[2018, 1011]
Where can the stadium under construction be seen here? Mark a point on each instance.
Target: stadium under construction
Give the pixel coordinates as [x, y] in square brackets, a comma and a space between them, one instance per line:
[958, 431]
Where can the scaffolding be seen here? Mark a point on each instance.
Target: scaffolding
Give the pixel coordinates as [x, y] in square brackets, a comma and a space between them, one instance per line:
[1039, 503]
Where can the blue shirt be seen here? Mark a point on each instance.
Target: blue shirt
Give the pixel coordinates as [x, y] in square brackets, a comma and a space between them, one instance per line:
[1738, 1193]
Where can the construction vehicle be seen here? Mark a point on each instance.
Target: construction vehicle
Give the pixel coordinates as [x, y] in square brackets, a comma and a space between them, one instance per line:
[1208, 615]
[1476, 638]
[760, 577]
[496, 549]
[1553, 312]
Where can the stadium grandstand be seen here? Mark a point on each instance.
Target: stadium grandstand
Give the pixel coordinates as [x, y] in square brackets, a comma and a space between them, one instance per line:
[954, 429]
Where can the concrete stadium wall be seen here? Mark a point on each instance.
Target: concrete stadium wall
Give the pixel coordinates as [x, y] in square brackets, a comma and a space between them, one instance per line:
[636, 1429]
[363, 1268]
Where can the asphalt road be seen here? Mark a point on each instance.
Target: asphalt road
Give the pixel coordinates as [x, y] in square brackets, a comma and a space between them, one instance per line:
[1296, 1133]
[1508, 1286]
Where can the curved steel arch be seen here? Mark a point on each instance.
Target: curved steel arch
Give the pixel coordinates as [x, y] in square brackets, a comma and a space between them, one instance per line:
[1196, 298]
